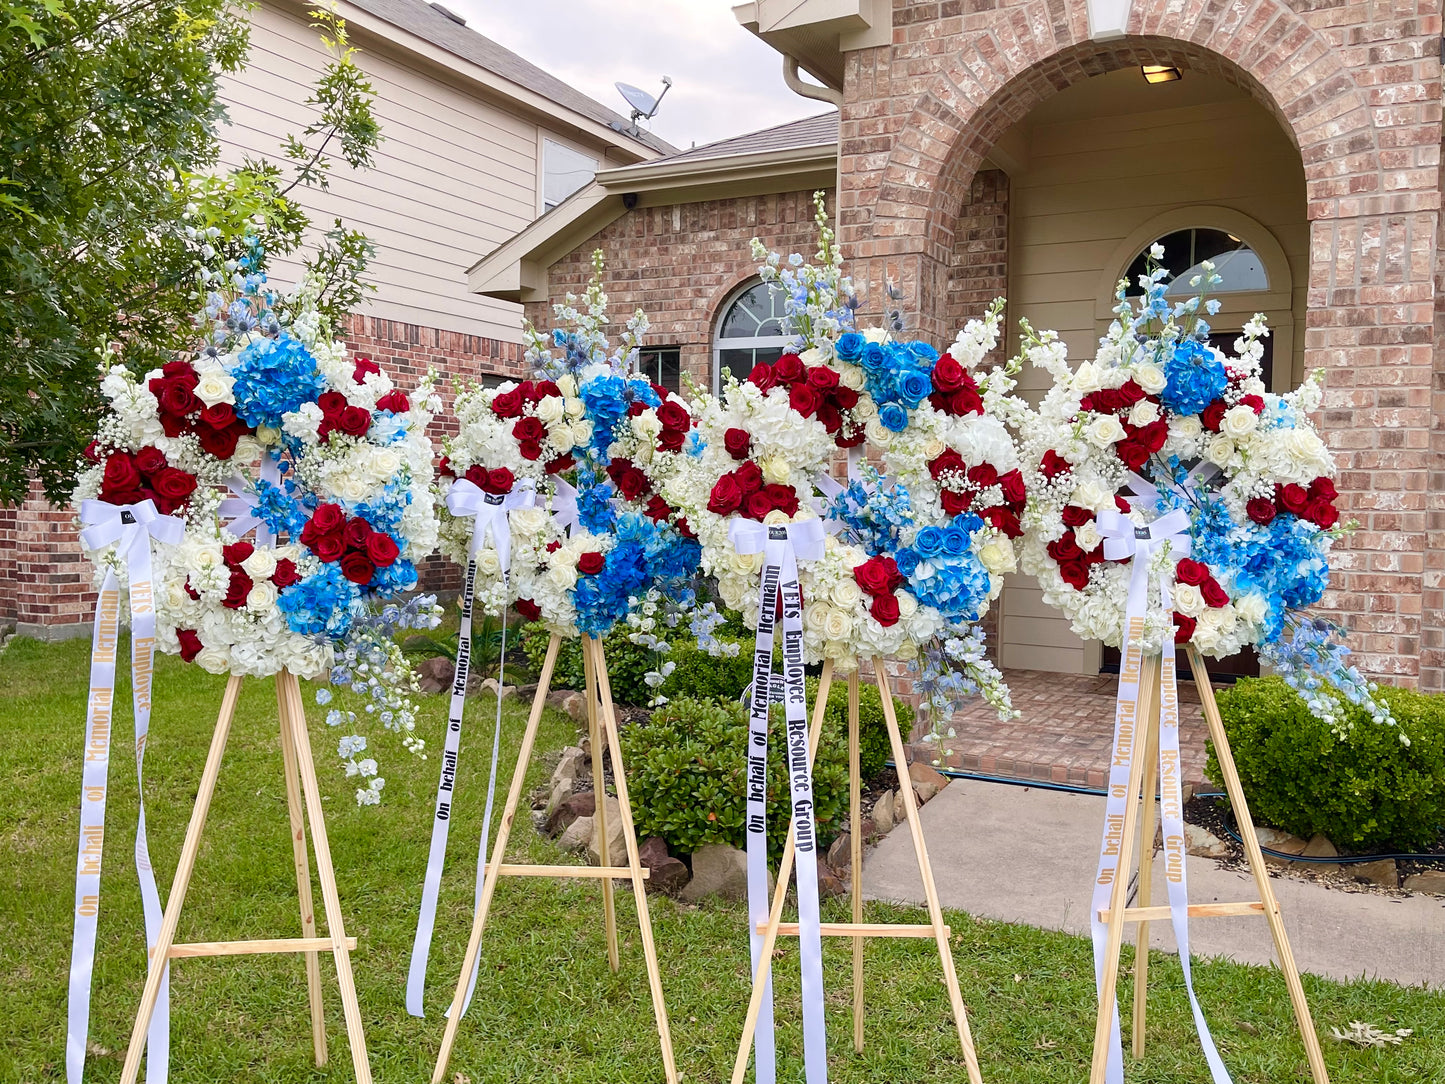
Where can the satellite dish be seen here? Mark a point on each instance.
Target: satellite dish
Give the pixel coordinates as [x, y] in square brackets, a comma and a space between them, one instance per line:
[644, 105]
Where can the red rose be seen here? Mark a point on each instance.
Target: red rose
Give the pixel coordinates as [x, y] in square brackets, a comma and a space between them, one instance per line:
[182, 372]
[946, 462]
[285, 574]
[237, 552]
[237, 590]
[178, 400]
[1254, 402]
[726, 497]
[190, 643]
[560, 463]
[1053, 464]
[150, 460]
[220, 416]
[954, 502]
[1213, 415]
[965, 400]
[1131, 453]
[885, 610]
[1005, 520]
[1074, 516]
[528, 609]
[590, 563]
[804, 399]
[332, 403]
[830, 416]
[1065, 549]
[1013, 487]
[1121, 504]
[92, 451]
[220, 443]
[983, 475]
[788, 369]
[1261, 510]
[673, 415]
[1320, 487]
[758, 505]
[356, 533]
[844, 398]
[507, 404]
[948, 374]
[357, 567]
[547, 389]
[328, 547]
[530, 450]
[633, 483]
[1322, 513]
[394, 401]
[874, 575]
[783, 498]
[364, 367]
[1191, 572]
[1075, 574]
[657, 509]
[1292, 497]
[500, 480]
[328, 517]
[174, 484]
[1183, 628]
[354, 421]
[529, 428]
[671, 440]
[120, 472]
[1108, 401]
[750, 477]
[763, 376]
[553, 546]
[1130, 392]
[1213, 594]
[822, 378]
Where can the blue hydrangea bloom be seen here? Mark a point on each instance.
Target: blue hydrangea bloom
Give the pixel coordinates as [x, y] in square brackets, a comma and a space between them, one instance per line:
[1195, 378]
[274, 377]
[322, 603]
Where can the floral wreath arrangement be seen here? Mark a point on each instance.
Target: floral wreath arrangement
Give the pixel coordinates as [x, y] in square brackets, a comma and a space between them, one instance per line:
[329, 471]
[1159, 422]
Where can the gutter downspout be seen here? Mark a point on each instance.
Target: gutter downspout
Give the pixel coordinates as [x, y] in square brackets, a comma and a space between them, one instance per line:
[822, 94]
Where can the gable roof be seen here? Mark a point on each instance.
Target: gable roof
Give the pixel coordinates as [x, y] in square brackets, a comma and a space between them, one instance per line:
[818, 131]
[437, 25]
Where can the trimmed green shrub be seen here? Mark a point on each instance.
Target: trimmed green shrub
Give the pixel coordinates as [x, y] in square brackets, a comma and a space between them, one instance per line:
[702, 677]
[1365, 791]
[873, 747]
[687, 772]
[627, 663]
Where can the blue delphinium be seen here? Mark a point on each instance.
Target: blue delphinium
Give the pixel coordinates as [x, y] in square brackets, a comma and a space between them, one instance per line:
[274, 377]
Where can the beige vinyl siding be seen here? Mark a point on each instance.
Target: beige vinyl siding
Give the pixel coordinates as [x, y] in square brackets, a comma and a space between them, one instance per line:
[453, 178]
[1088, 183]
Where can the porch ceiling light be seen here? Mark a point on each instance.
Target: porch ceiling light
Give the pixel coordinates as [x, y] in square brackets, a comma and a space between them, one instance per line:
[1160, 73]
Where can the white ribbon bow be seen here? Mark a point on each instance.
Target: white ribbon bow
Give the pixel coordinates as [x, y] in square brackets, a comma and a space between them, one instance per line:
[564, 506]
[241, 508]
[804, 539]
[129, 525]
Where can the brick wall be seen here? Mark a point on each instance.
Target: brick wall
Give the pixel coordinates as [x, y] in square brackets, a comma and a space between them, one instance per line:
[978, 267]
[44, 577]
[1357, 89]
[679, 264]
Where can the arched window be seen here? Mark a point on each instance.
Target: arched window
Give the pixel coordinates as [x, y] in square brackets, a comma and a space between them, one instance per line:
[749, 330]
[1238, 265]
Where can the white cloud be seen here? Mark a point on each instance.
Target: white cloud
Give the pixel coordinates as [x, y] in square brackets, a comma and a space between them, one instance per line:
[725, 81]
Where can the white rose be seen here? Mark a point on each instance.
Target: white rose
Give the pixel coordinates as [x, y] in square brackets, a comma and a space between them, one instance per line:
[488, 563]
[1149, 377]
[646, 425]
[1104, 431]
[865, 410]
[998, 557]
[214, 386]
[934, 448]
[907, 605]
[550, 410]
[1189, 427]
[813, 356]
[528, 520]
[1143, 413]
[851, 376]
[213, 660]
[1304, 447]
[745, 564]
[877, 432]
[247, 450]
[267, 435]
[815, 616]
[1251, 609]
[875, 334]
[839, 624]
[567, 385]
[1087, 536]
[581, 431]
[563, 576]
[262, 597]
[260, 565]
[1091, 495]
[776, 469]
[1237, 421]
[1219, 450]
[846, 593]
[1087, 378]
[1188, 600]
[575, 407]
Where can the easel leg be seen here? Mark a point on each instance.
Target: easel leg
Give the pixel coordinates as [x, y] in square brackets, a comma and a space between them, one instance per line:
[177, 898]
[925, 869]
[629, 836]
[780, 893]
[591, 654]
[303, 874]
[1257, 867]
[855, 841]
[499, 851]
[1146, 885]
[1148, 717]
[326, 874]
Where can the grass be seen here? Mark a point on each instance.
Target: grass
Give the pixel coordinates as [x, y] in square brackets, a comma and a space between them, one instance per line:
[547, 1007]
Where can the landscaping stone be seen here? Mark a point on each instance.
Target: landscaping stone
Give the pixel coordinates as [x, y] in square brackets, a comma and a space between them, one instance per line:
[490, 686]
[571, 765]
[829, 883]
[883, 814]
[1204, 843]
[527, 692]
[556, 698]
[717, 870]
[575, 705]
[576, 836]
[900, 808]
[578, 805]
[927, 782]
[417, 643]
[1276, 840]
[616, 839]
[561, 790]
[1432, 881]
[668, 874]
[840, 854]
[1320, 847]
[1381, 872]
[434, 675]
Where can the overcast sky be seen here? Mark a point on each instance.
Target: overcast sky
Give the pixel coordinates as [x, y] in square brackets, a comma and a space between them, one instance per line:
[725, 81]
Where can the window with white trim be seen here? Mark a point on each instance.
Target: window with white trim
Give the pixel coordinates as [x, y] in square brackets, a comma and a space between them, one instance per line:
[563, 172]
[1238, 266]
[749, 331]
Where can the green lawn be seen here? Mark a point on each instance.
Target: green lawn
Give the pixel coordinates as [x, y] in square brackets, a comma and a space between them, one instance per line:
[547, 1008]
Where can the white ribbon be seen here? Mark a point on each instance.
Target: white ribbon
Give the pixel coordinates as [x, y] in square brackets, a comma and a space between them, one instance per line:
[241, 508]
[489, 512]
[1122, 541]
[830, 487]
[781, 547]
[564, 506]
[1141, 489]
[130, 528]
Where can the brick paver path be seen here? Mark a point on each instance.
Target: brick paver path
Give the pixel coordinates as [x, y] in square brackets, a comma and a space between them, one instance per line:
[1064, 733]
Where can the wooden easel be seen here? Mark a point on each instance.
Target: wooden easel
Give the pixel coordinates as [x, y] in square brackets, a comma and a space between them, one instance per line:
[300, 784]
[602, 733]
[858, 929]
[1143, 779]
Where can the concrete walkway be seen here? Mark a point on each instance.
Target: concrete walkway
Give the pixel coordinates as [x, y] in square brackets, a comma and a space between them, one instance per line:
[1025, 855]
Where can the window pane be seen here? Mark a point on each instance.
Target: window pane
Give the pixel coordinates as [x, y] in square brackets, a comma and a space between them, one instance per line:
[563, 172]
[1238, 265]
[662, 365]
[741, 362]
[757, 313]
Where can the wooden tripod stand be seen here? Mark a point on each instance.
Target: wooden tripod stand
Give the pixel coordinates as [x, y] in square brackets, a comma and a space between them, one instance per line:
[1143, 779]
[858, 929]
[602, 732]
[300, 784]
